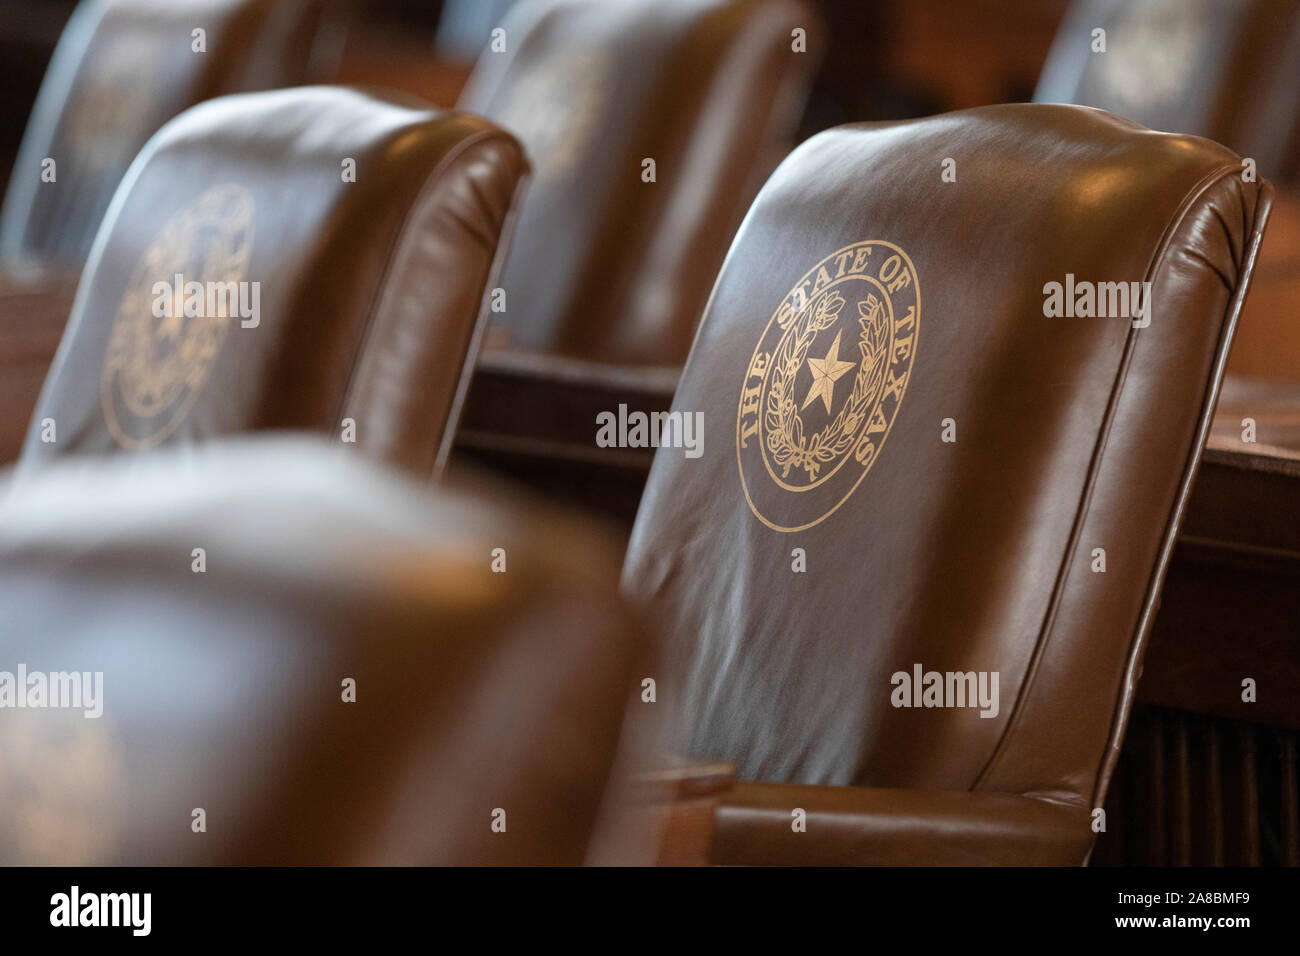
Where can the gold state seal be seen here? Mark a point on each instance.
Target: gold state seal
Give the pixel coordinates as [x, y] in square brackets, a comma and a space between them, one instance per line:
[155, 367]
[825, 383]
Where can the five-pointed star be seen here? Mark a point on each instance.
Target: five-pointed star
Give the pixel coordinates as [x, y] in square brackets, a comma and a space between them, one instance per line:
[825, 372]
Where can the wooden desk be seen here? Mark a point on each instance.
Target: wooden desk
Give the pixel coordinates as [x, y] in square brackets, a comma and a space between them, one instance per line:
[34, 309]
[1231, 602]
[533, 417]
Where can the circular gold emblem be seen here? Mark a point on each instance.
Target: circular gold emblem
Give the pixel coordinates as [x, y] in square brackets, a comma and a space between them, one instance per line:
[155, 367]
[825, 383]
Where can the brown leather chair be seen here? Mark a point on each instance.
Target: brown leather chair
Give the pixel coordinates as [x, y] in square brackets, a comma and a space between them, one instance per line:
[463, 26]
[474, 691]
[888, 406]
[606, 265]
[371, 291]
[1228, 70]
[123, 68]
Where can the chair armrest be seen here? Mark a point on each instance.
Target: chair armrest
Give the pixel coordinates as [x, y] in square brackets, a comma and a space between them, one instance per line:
[861, 826]
[663, 816]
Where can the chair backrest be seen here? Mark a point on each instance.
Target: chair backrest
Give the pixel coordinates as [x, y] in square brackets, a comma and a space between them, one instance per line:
[607, 264]
[463, 25]
[348, 681]
[123, 68]
[358, 238]
[1228, 70]
[924, 464]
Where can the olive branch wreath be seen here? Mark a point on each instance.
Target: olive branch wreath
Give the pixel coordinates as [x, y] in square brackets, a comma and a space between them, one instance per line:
[785, 431]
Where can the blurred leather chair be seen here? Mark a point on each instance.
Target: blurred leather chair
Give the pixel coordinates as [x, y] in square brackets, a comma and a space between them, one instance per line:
[868, 312]
[475, 692]
[464, 26]
[371, 291]
[606, 266]
[1228, 71]
[123, 68]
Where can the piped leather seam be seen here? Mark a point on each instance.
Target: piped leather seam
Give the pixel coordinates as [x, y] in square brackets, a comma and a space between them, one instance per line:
[465, 371]
[396, 246]
[1158, 257]
[1209, 400]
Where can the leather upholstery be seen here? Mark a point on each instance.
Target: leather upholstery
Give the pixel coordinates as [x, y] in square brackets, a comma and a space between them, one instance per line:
[858, 826]
[1228, 70]
[607, 266]
[223, 690]
[123, 68]
[965, 556]
[464, 25]
[371, 291]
